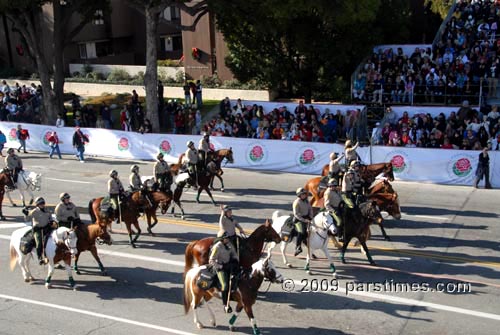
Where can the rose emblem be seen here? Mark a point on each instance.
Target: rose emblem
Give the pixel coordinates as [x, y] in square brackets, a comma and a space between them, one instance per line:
[307, 157]
[46, 137]
[257, 153]
[165, 147]
[398, 163]
[13, 134]
[123, 144]
[462, 167]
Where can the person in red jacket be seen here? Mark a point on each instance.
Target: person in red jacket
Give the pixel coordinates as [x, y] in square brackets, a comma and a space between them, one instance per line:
[54, 145]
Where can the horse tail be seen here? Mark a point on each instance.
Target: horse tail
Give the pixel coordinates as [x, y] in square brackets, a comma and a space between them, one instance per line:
[93, 218]
[13, 257]
[187, 296]
[189, 257]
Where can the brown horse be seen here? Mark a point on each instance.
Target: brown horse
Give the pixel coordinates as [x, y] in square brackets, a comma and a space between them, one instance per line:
[387, 200]
[369, 172]
[175, 168]
[158, 199]
[129, 213]
[5, 180]
[250, 249]
[218, 157]
[87, 236]
[245, 295]
[312, 186]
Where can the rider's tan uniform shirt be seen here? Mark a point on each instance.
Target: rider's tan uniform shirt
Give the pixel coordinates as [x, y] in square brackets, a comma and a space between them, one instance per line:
[203, 145]
[352, 181]
[64, 211]
[221, 254]
[331, 199]
[334, 166]
[39, 218]
[115, 186]
[135, 181]
[302, 209]
[161, 167]
[227, 225]
[350, 153]
[191, 156]
[13, 162]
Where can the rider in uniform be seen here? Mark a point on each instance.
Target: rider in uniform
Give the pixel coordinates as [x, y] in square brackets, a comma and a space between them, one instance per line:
[351, 185]
[136, 184]
[14, 164]
[191, 157]
[204, 148]
[332, 200]
[66, 212]
[350, 152]
[116, 191]
[303, 214]
[334, 166]
[41, 222]
[162, 173]
[228, 225]
[224, 260]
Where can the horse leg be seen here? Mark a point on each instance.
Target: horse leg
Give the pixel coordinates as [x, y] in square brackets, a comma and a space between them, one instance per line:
[10, 199]
[365, 248]
[212, 182]
[31, 196]
[283, 246]
[129, 231]
[67, 265]
[308, 259]
[344, 247]
[136, 225]
[75, 267]
[253, 323]
[232, 320]
[93, 251]
[180, 206]
[49, 273]
[330, 260]
[386, 237]
[212, 316]
[198, 195]
[221, 183]
[210, 195]
[22, 261]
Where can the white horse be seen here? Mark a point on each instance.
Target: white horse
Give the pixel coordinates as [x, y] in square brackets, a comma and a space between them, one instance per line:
[56, 250]
[26, 181]
[322, 224]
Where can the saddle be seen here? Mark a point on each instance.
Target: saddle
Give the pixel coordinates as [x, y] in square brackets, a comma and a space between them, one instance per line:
[287, 229]
[208, 279]
[106, 206]
[322, 184]
[27, 242]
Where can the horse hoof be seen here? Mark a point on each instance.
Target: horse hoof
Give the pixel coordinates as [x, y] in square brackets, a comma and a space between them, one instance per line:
[212, 323]
[104, 273]
[182, 217]
[313, 256]
[78, 272]
[47, 285]
[373, 263]
[309, 272]
[27, 280]
[343, 261]
[14, 205]
[289, 265]
[133, 245]
[222, 189]
[334, 275]
[232, 328]
[199, 325]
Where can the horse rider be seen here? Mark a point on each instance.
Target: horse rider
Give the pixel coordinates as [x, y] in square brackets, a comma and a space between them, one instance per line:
[334, 166]
[67, 212]
[136, 184]
[303, 214]
[350, 152]
[332, 200]
[228, 225]
[116, 192]
[14, 164]
[162, 173]
[191, 158]
[41, 222]
[204, 148]
[225, 262]
[351, 184]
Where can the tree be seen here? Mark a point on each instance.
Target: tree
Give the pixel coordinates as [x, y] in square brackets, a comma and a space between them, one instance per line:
[441, 7]
[151, 10]
[26, 17]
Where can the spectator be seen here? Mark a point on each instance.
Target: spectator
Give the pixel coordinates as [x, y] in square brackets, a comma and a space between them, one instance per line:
[483, 169]
[146, 127]
[54, 145]
[187, 94]
[79, 141]
[22, 136]
[59, 121]
[3, 140]
[199, 101]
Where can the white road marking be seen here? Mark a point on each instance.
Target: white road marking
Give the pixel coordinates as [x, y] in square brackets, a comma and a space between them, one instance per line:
[98, 315]
[375, 296]
[71, 181]
[12, 225]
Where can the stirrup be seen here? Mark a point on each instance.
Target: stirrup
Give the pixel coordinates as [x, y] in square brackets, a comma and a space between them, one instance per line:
[228, 309]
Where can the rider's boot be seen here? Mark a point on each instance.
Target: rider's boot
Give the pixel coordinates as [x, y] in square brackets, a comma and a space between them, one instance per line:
[298, 248]
[227, 307]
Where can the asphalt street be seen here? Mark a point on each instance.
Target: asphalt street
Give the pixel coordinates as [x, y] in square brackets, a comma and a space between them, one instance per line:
[447, 240]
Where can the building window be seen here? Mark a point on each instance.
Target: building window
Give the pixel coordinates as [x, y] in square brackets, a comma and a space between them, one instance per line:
[171, 43]
[96, 49]
[98, 18]
[171, 14]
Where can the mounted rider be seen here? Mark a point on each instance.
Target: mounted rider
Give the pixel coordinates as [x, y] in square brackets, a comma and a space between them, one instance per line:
[303, 214]
[332, 200]
[334, 170]
[116, 192]
[191, 159]
[352, 185]
[162, 173]
[204, 148]
[350, 152]
[225, 262]
[41, 222]
[14, 164]
[228, 225]
[67, 212]
[135, 184]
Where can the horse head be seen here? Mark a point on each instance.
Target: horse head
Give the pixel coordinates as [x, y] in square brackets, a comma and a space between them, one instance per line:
[69, 239]
[6, 178]
[388, 172]
[372, 212]
[268, 270]
[393, 207]
[324, 220]
[269, 234]
[229, 155]
[165, 201]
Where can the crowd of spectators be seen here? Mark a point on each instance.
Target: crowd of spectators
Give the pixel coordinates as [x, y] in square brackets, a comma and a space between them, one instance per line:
[466, 129]
[19, 103]
[449, 72]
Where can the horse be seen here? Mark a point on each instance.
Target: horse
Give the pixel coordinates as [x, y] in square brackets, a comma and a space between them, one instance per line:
[250, 249]
[175, 168]
[26, 181]
[87, 235]
[322, 225]
[60, 246]
[369, 172]
[356, 222]
[387, 200]
[5, 180]
[203, 179]
[245, 295]
[218, 157]
[159, 199]
[129, 214]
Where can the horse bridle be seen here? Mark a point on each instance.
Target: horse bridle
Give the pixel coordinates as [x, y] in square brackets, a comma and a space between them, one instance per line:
[325, 227]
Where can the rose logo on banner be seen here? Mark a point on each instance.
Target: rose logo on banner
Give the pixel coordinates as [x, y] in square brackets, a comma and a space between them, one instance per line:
[306, 157]
[123, 144]
[401, 163]
[45, 136]
[166, 146]
[212, 147]
[256, 153]
[460, 166]
[13, 134]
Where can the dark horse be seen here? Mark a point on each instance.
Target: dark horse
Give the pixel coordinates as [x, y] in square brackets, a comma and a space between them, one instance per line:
[158, 199]
[130, 211]
[387, 200]
[218, 157]
[87, 235]
[369, 172]
[5, 180]
[250, 249]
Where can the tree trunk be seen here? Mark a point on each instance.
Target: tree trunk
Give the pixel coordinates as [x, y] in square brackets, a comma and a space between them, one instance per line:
[151, 76]
[58, 48]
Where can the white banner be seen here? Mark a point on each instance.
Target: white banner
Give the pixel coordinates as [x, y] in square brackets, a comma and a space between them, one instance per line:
[428, 165]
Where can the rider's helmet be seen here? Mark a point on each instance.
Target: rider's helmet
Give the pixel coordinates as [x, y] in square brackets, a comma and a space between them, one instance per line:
[113, 173]
[134, 168]
[206, 135]
[160, 156]
[300, 191]
[10, 151]
[348, 144]
[332, 182]
[39, 201]
[333, 156]
[64, 196]
[189, 143]
[226, 208]
[354, 164]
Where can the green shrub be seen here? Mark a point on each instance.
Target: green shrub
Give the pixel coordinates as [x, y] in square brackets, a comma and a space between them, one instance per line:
[170, 62]
[118, 74]
[87, 68]
[180, 77]
[211, 81]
